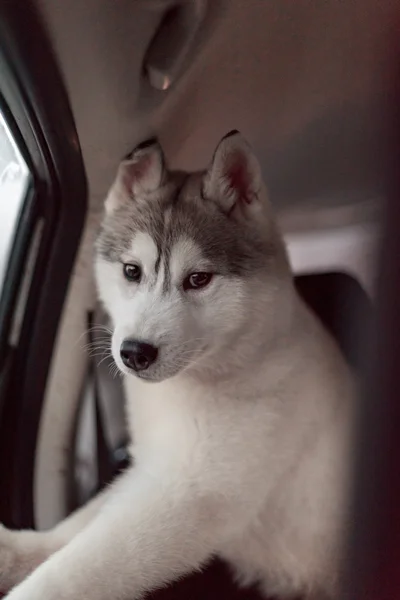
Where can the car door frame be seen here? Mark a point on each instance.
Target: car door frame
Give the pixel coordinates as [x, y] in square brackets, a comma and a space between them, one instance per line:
[35, 103]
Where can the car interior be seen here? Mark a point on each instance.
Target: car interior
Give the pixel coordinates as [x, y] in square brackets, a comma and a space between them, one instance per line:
[82, 82]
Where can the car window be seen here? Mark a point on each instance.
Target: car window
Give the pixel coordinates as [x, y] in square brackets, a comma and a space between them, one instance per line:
[14, 182]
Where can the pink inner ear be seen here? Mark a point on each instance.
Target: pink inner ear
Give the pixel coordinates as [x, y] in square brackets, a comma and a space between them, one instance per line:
[136, 171]
[140, 168]
[239, 177]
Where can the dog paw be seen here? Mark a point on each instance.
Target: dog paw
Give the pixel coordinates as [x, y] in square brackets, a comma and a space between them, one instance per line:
[20, 553]
[7, 559]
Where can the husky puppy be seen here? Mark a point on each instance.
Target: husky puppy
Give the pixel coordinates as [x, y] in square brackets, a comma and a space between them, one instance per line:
[239, 403]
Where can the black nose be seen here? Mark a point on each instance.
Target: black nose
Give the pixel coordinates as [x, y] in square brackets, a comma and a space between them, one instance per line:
[137, 355]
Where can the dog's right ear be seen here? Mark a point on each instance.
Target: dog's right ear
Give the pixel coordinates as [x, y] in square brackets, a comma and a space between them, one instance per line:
[140, 173]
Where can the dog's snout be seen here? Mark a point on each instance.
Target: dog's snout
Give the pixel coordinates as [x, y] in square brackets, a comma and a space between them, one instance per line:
[138, 355]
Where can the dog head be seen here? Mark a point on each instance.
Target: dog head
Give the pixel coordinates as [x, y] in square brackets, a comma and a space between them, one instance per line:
[190, 267]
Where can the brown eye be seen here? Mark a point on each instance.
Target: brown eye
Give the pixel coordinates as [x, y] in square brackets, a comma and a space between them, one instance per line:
[132, 272]
[195, 281]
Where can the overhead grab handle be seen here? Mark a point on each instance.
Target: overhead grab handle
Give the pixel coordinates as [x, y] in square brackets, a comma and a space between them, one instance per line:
[172, 42]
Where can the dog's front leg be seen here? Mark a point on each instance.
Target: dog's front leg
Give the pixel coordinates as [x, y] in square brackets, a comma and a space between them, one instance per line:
[149, 534]
[23, 551]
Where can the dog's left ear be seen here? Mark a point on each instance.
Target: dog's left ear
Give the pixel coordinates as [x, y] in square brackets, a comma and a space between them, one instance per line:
[234, 178]
[139, 174]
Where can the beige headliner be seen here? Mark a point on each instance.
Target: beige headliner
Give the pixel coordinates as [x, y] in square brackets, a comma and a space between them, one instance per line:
[298, 77]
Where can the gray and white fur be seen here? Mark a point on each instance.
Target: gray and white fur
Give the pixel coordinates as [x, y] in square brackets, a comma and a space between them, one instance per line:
[239, 404]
